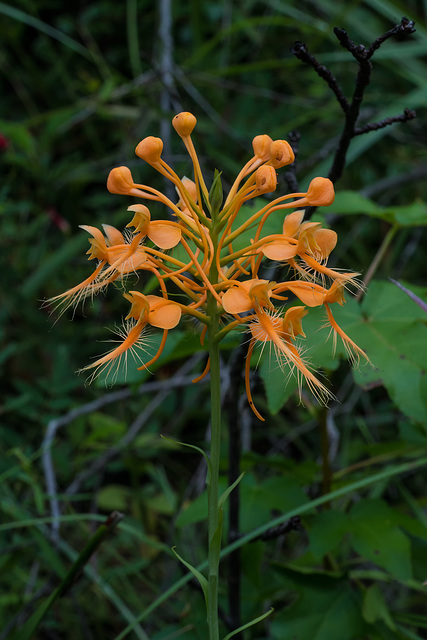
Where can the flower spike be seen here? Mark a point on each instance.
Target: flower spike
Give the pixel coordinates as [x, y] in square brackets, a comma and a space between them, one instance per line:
[201, 274]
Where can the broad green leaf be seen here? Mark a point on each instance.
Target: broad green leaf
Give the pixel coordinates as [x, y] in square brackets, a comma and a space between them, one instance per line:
[196, 511]
[374, 607]
[261, 498]
[377, 538]
[392, 330]
[327, 531]
[353, 203]
[326, 608]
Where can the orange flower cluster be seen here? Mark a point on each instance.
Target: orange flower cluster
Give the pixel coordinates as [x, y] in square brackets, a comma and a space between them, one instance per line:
[193, 254]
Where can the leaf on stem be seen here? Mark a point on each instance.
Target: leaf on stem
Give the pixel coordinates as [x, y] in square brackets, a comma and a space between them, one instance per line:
[200, 577]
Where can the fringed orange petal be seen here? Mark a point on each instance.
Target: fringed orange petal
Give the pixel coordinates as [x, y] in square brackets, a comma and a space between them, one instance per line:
[130, 340]
[126, 261]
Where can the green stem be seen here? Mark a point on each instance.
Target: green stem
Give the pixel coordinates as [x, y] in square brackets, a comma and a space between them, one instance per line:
[378, 258]
[214, 524]
[324, 446]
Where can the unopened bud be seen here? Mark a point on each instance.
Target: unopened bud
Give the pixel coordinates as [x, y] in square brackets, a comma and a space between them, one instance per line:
[320, 192]
[120, 181]
[266, 179]
[216, 194]
[150, 149]
[141, 219]
[261, 146]
[281, 154]
[184, 123]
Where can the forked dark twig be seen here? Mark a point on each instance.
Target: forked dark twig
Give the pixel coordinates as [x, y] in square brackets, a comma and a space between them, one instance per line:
[351, 108]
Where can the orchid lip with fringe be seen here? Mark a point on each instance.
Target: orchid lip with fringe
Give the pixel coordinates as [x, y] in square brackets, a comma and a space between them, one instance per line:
[207, 267]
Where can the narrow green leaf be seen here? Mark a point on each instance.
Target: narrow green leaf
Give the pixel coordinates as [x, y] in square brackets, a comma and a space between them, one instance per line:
[192, 446]
[21, 16]
[227, 492]
[196, 573]
[249, 624]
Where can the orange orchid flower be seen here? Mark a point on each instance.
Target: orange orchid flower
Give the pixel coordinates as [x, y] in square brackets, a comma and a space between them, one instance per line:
[163, 233]
[145, 310]
[218, 281]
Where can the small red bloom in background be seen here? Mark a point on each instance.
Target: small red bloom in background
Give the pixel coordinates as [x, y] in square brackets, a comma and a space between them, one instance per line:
[4, 142]
[57, 219]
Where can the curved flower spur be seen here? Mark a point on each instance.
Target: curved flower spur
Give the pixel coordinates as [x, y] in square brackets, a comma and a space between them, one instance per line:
[218, 282]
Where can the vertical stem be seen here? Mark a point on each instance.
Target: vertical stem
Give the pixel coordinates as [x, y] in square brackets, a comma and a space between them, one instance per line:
[378, 258]
[234, 503]
[324, 444]
[214, 524]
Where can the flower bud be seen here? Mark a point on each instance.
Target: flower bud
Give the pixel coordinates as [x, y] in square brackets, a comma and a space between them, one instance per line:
[266, 179]
[320, 192]
[141, 219]
[216, 195]
[150, 149]
[184, 123]
[120, 181]
[261, 146]
[281, 154]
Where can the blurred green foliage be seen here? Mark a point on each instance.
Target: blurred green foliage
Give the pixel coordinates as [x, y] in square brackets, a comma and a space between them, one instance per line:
[81, 84]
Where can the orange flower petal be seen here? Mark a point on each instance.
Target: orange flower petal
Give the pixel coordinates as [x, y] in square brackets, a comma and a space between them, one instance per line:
[326, 240]
[96, 233]
[114, 235]
[310, 294]
[164, 314]
[164, 235]
[279, 250]
[292, 322]
[236, 300]
[292, 223]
